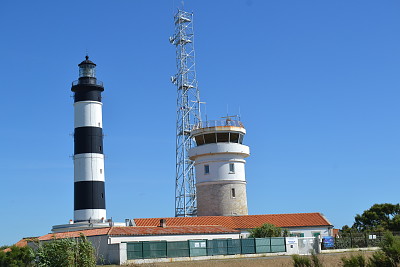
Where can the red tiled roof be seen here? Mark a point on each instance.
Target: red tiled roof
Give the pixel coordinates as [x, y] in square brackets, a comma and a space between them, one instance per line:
[22, 243]
[140, 231]
[173, 230]
[243, 222]
[91, 232]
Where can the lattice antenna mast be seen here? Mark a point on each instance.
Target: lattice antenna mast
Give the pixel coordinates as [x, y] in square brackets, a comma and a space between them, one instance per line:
[188, 113]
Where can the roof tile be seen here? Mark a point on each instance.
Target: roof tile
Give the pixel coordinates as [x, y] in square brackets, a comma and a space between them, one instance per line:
[243, 222]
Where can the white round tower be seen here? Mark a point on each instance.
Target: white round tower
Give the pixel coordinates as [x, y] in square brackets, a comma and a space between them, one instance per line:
[219, 160]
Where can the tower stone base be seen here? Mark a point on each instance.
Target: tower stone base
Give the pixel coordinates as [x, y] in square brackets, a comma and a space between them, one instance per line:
[225, 198]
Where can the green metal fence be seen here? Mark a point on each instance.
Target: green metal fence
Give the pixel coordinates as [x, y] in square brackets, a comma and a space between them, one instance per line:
[154, 249]
[278, 244]
[178, 249]
[248, 246]
[234, 246]
[263, 245]
[197, 248]
[193, 248]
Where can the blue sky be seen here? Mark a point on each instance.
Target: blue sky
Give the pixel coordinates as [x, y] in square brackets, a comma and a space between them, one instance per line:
[316, 83]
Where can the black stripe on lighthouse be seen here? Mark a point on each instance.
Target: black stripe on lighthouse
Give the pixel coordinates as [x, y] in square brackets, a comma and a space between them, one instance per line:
[87, 92]
[89, 195]
[88, 140]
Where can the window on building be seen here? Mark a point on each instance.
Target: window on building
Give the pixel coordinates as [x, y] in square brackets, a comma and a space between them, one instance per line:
[234, 138]
[231, 168]
[199, 140]
[296, 234]
[206, 169]
[233, 193]
[222, 137]
[101, 171]
[240, 138]
[316, 234]
[210, 138]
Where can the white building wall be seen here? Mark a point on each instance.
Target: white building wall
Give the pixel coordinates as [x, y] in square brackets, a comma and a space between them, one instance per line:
[307, 231]
[219, 168]
[119, 239]
[310, 231]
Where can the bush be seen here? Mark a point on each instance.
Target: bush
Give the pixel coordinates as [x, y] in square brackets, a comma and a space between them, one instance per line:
[315, 260]
[17, 257]
[301, 261]
[266, 230]
[379, 259]
[388, 256]
[354, 261]
[66, 252]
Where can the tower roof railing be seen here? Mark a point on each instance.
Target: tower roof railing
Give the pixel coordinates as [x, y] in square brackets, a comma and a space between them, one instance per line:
[87, 81]
[216, 123]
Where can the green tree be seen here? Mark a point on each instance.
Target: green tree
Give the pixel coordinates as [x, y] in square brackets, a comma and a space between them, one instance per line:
[66, 252]
[267, 230]
[379, 217]
[17, 257]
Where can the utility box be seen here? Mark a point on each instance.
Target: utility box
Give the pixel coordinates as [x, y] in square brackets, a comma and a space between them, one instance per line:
[292, 245]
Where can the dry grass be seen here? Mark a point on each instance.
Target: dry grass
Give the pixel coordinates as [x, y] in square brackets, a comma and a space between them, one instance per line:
[328, 260]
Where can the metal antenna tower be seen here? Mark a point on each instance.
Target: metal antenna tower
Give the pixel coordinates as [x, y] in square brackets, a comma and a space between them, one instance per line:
[188, 113]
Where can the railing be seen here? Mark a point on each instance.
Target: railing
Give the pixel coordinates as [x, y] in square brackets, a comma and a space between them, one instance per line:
[87, 81]
[216, 123]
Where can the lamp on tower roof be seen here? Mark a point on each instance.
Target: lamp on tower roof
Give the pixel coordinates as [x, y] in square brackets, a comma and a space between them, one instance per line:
[87, 71]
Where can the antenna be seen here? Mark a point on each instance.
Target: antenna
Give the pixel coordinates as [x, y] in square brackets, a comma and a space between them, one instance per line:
[188, 113]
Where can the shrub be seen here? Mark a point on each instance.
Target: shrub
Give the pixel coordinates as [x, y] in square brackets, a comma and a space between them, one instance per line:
[315, 260]
[266, 230]
[301, 261]
[354, 261]
[66, 252]
[17, 257]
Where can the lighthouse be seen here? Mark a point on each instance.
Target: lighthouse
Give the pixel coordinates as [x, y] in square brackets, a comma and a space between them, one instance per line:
[89, 192]
[219, 160]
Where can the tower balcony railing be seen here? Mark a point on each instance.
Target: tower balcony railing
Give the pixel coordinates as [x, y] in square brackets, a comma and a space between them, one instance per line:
[87, 81]
[216, 123]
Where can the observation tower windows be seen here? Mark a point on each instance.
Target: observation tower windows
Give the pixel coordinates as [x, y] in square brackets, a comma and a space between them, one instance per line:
[210, 138]
[241, 138]
[218, 138]
[222, 137]
[234, 137]
[199, 140]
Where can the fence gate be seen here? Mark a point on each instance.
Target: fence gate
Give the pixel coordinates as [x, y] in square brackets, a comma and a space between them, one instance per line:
[307, 245]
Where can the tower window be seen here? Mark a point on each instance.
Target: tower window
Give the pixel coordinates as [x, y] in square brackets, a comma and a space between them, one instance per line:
[206, 169]
[234, 138]
[231, 168]
[233, 193]
[101, 171]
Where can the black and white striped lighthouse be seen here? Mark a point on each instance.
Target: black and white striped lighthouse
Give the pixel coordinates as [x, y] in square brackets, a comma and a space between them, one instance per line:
[89, 193]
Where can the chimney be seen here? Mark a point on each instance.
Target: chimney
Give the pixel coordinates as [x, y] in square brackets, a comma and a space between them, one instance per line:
[163, 223]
